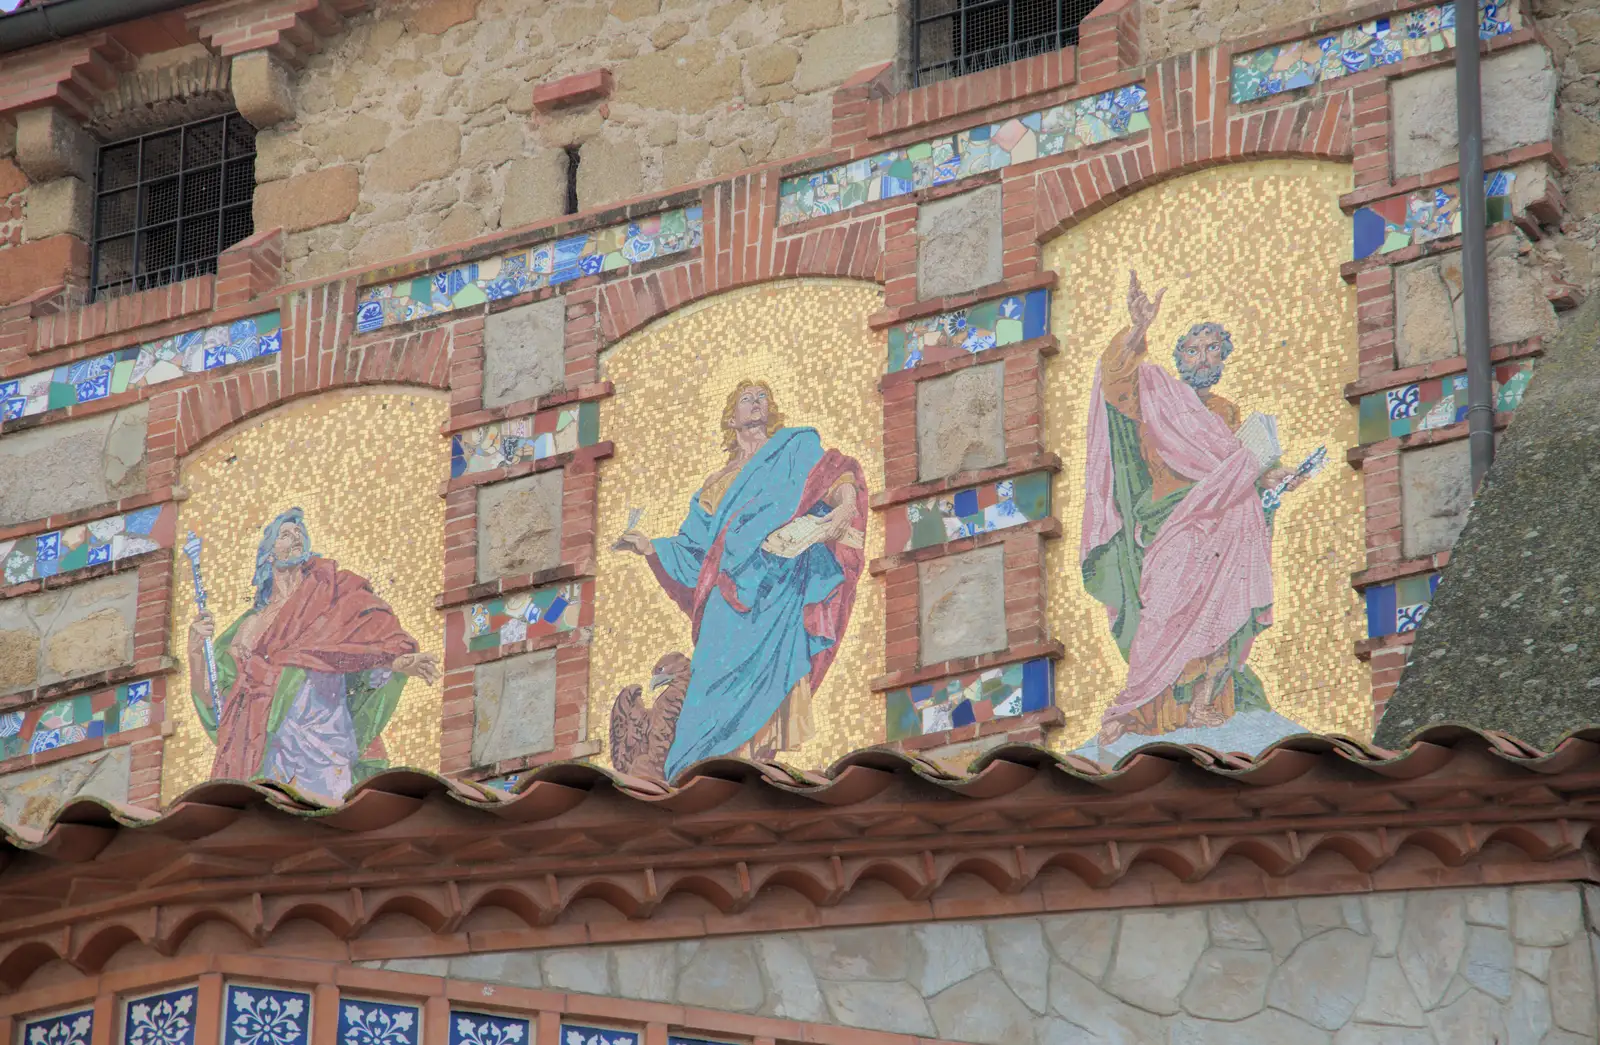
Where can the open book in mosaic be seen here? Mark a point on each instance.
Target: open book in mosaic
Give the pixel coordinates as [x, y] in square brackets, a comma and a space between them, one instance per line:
[545, 265]
[1425, 215]
[481, 1028]
[1437, 402]
[266, 1016]
[965, 700]
[151, 363]
[1399, 605]
[523, 439]
[161, 1019]
[966, 513]
[85, 717]
[968, 331]
[378, 1023]
[1382, 41]
[1049, 132]
[87, 544]
[525, 615]
[69, 1028]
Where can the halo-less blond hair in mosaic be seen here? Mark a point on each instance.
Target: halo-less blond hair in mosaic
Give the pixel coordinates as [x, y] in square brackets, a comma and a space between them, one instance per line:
[774, 415]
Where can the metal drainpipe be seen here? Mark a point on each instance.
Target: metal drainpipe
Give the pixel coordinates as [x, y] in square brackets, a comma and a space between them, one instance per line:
[1474, 256]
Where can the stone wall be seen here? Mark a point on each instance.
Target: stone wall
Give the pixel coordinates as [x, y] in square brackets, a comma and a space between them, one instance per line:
[1572, 30]
[67, 633]
[31, 796]
[66, 467]
[1451, 967]
[1172, 27]
[416, 128]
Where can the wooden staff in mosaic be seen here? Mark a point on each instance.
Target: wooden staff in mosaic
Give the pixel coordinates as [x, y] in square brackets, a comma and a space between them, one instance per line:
[191, 548]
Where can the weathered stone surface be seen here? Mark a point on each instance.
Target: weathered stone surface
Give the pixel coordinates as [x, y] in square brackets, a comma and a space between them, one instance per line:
[1093, 1015]
[515, 968]
[584, 971]
[1519, 89]
[893, 1006]
[1385, 914]
[1019, 952]
[1546, 915]
[684, 78]
[1572, 987]
[519, 525]
[1388, 999]
[1431, 944]
[50, 145]
[1435, 496]
[1535, 961]
[1323, 980]
[1083, 941]
[959, 243]
[1156, 951]
[1471, 1017]
[646, 973]
[833, 55]
[792, 991]
[67, 633]
[1529, 1017]
[981, 1009]
[1264, 1028]
[31, 796]
[1487, 964]
[1369, 1034]
[1228, 984]
[435, 16]
[424, 153]
[321, 197]
[962, 604]
[723, 974]
[1230, 926]
[66, 467]
[99, 641]
[261, 89]
[951, 952]
[1430, 313]
[523, 354]
[773, 64]
[514, 707]
[860, 954]
[535, 188]
[610, 169]
[961, 421]
[1318, 913]
[1489, 907]
[1278, 923]
[59, 207]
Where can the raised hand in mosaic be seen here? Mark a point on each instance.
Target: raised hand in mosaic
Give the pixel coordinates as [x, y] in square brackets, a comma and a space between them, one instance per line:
[309, 675]
[765, 565]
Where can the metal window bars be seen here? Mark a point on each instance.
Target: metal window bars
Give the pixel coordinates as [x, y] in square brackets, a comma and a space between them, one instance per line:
[955, 37]
[167, 203]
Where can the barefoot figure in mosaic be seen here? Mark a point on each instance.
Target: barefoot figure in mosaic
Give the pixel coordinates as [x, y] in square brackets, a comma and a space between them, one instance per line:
[765, 565]
[1177, 527]
[308, 676]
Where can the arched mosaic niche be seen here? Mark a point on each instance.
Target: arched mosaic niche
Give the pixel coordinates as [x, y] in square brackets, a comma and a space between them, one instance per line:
[1190, 614]
[790, 679]
[348, 483]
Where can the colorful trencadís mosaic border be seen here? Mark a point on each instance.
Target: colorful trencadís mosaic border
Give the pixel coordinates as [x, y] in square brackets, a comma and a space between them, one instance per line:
[558, 261]
[1399, 605]
[966, 513]
[68, 1028]
[968, 331]
[1435, 403]
[71, 721]
[1430, 214]
[507, 443]
[1015, 689]
[525, 615]
[87, 544]
[151, 363]
[1049, 132]
[1383, 41]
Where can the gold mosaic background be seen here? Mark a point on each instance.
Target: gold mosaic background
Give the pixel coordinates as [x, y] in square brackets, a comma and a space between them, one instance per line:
[810, 341]
[1254, 247]
[366, 468]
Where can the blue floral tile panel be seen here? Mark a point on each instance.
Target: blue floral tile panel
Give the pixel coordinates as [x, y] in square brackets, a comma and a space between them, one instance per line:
[503, 444]
[1370, 45]
[478, 1028]
[1400, 605]
[95, 543]
[265, 1016]
[546, 265]
[160, 1019]
[71, 1028]
[1050, 132]
[968, 331]
[378, 1023]
[576, 1034]
[1421, 217]
[151, 363]
[966, 700]
[88, 716]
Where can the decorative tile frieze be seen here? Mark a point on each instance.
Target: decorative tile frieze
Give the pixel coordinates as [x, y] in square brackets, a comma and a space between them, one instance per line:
[504, 444]
[160, 1019]
[151, 363]
[1399, 605]
[87, 716]
[1436, 403]
[965, 700]
[94, 543]
[1049, 132]
[545, 265]
[968, 331]
[1382, 41]
[577, 1034]
[378, 1023]
[1425, 215]
[69, 1028]
[478, 1028]
[265, 1016]
[526, 615]
[966, 513]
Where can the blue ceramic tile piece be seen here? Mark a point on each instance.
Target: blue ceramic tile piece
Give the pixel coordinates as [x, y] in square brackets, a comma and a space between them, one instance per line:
[378, 1023]
[576, 1034]
[160, 1019]
[478, 1028]
[71, 1028]
[265, 1016]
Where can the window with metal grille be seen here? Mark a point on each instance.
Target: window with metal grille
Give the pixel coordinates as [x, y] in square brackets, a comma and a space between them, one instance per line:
[166, 204]
[956, 37]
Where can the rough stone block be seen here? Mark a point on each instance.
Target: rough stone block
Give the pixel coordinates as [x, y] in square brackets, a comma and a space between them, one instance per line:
[425, 153]
[67, 633]
[962, 604]
[831, 56]
[609, 170]
[51, 145]
[1519, 97]
[261, 89]
[60, 207]
[959, 243]
[322, 197]
[32, 796]
[514, 707]
[519, 526]
[64, 467]
[961, 421]
[523, 352]
[1430, 314]
[535, 188]
[1435, 494]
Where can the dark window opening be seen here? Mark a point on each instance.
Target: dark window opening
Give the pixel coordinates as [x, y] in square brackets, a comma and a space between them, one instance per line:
[955, 37]
[167, 203]
[572, 180]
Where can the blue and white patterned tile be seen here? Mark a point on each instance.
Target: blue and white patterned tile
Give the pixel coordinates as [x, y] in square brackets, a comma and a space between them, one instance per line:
[479, 1028]
[577, 1034]
[160, 1019]
[71, 1028]
[266, 1016]
[378, 1023]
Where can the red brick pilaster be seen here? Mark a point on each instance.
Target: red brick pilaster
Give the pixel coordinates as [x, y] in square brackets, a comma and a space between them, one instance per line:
[1370, 135]
[1108, 40]
[1380, 477]
[1375, 321]
[455, 727]
[144, 768]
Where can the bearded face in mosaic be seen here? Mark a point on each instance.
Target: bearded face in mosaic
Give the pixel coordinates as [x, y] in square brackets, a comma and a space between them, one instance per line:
[307, 678]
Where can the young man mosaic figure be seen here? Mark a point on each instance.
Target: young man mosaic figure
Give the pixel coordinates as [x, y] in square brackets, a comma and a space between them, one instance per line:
[309, 676]
[765, 565]
[1176, 543]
